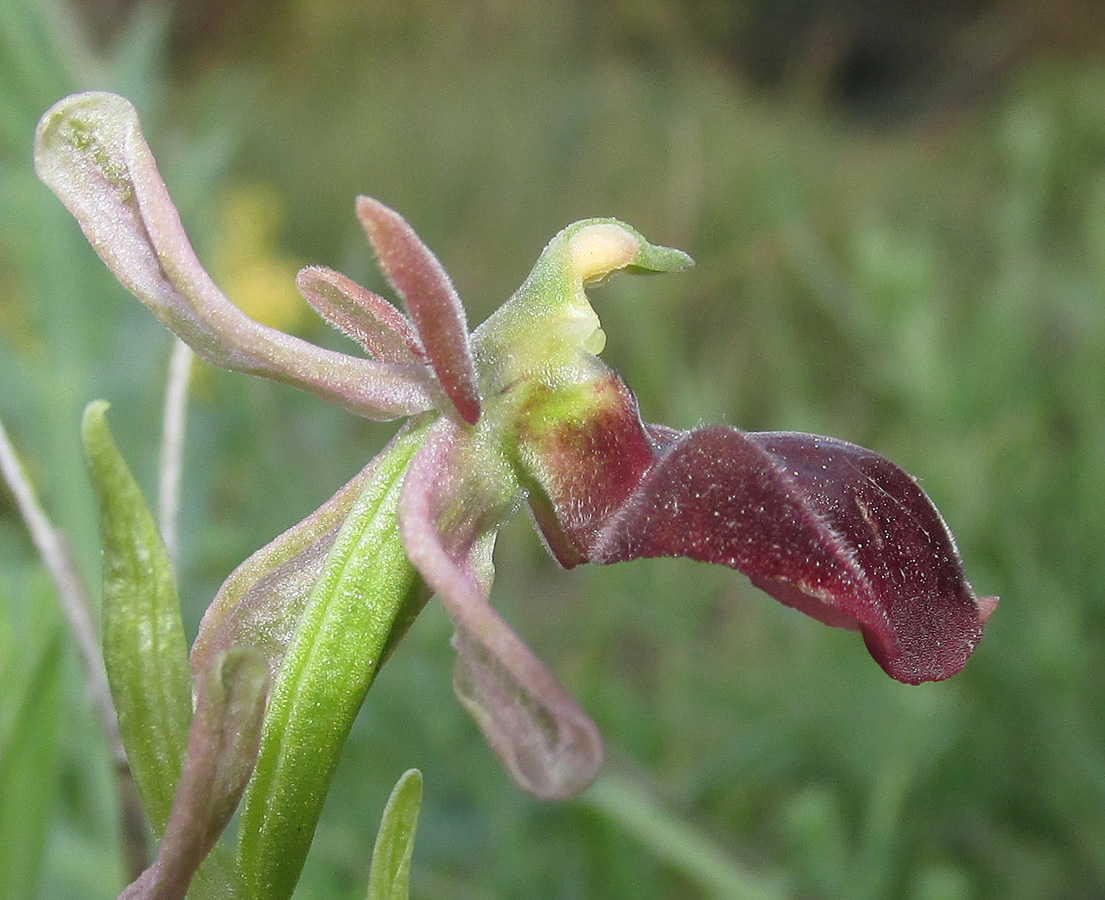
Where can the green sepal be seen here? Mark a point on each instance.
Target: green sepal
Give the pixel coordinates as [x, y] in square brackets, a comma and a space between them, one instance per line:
[390, 876]
[344, 632]
[145, 652]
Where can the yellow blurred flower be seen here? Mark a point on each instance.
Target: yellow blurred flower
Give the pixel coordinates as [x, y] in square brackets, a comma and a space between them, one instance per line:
[15, 326]
[247, 262]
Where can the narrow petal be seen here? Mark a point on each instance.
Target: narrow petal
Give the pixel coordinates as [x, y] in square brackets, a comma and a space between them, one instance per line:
[366, 317]
[454, 500]
[90, 151]
[431, 300]
[830, 528]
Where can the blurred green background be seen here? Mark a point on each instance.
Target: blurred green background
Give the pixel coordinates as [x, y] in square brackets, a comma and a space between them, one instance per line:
[898, 213]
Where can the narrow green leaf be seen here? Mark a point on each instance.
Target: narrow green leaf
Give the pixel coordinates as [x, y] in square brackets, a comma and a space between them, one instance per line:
[390, 876]
[366, 584]
[27, 777]
[145, 652]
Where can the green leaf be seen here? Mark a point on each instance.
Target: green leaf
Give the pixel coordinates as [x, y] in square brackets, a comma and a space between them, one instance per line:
[390, 876]
[366, 590]
[145, 652]
[27, 776]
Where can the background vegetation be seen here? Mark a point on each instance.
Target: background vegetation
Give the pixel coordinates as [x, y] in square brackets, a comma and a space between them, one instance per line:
[900, 235]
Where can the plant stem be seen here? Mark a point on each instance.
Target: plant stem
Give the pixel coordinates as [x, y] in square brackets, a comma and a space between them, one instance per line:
[637, 812]
[171, 463]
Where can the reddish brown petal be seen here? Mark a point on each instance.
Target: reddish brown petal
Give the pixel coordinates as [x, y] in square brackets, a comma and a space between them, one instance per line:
[822, 525]
[366, 317]
[431, 300]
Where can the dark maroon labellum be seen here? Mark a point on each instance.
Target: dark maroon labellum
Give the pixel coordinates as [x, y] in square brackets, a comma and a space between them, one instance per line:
[822, 525]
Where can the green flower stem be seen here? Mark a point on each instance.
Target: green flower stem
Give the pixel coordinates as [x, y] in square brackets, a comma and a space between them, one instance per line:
[631, 808]
[171, 459]
[367, 588]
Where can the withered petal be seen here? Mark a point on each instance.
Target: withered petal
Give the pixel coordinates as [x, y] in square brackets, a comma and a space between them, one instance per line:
[222, 752]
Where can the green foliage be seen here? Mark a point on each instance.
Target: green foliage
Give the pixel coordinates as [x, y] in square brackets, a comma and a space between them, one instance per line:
[145, 652]
[324, 669]
[677, 843]
[390, 875]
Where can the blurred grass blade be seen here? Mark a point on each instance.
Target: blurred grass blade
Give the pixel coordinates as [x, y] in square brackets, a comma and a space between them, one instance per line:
[144, 647]
[638, 813]
[391, 857]
[27, 777]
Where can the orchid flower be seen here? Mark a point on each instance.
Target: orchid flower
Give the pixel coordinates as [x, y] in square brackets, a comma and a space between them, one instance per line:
[522, 411]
